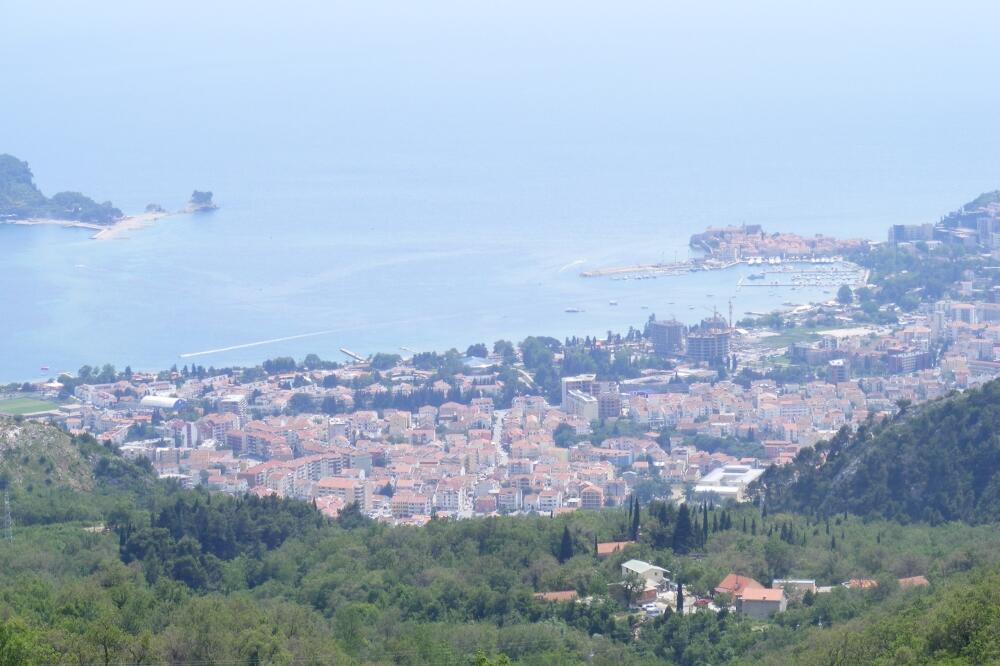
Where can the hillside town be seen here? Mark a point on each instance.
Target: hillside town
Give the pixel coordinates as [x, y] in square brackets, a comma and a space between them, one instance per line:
[686, 430]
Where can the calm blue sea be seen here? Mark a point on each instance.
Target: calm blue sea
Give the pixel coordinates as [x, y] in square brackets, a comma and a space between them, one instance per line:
[428, 175]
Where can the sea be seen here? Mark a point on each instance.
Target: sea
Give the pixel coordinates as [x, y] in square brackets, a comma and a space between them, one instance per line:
[403, 177]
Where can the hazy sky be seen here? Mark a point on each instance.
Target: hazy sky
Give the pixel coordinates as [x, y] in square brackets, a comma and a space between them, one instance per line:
[364, 78]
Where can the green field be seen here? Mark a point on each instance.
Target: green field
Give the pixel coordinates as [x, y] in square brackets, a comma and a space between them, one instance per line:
[789, 336]
[19, 406]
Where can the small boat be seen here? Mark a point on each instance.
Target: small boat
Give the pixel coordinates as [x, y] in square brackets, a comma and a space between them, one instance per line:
[645, 307]
[612, 302]
[45, 368]
[573, 310]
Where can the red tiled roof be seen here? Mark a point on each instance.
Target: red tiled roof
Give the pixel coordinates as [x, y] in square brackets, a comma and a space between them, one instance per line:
[761, 594]
[735, 584]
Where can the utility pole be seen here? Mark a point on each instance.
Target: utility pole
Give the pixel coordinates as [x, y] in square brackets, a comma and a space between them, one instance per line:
[8, 520]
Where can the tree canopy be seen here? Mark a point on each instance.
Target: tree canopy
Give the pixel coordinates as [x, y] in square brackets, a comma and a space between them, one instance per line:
[937, 462]
[20, 198]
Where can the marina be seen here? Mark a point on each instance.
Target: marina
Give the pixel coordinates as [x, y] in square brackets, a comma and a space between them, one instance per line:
[792, 272]
[792, 276]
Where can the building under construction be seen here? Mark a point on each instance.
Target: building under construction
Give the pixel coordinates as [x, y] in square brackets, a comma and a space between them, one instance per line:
[667, 336]
[709, 341]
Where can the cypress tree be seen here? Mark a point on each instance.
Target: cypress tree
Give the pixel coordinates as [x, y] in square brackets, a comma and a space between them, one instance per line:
[680, 598]
[715, 522]
[704, 526]
[566, 546]
[753, 527]
[634, 533]
[744, 524]
[682, 531]
[833, 542]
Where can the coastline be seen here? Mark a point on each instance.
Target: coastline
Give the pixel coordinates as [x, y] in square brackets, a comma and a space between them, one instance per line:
[127, 224]
[68, 224]
[103, 231]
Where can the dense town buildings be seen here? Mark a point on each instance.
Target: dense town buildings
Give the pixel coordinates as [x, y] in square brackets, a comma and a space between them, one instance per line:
[404, 465]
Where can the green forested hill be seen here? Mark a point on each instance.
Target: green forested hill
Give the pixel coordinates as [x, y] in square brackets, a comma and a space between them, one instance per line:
[933, 463]
[186, 577]
[21, 199]
[52, 477]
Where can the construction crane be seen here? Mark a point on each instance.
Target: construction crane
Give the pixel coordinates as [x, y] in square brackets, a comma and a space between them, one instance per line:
[715, 312]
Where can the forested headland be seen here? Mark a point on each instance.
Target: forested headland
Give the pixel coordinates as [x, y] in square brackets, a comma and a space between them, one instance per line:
[20, 199]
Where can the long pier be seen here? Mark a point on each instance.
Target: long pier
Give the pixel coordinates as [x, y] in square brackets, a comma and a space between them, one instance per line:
[670, 269]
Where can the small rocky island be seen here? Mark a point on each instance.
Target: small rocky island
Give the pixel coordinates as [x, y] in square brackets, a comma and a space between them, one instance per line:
[200, 202]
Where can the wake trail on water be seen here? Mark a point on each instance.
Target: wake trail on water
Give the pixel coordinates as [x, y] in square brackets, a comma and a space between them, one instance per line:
[256, 344]
[314, 334]
[571, 265]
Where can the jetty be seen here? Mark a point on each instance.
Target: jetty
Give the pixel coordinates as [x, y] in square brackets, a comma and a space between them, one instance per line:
[645, 271]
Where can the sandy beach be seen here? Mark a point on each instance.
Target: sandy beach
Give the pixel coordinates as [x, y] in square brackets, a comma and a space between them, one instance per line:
[128, 223]
[114, 231]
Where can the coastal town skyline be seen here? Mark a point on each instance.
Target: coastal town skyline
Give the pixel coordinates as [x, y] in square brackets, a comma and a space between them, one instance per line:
[704, 408]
